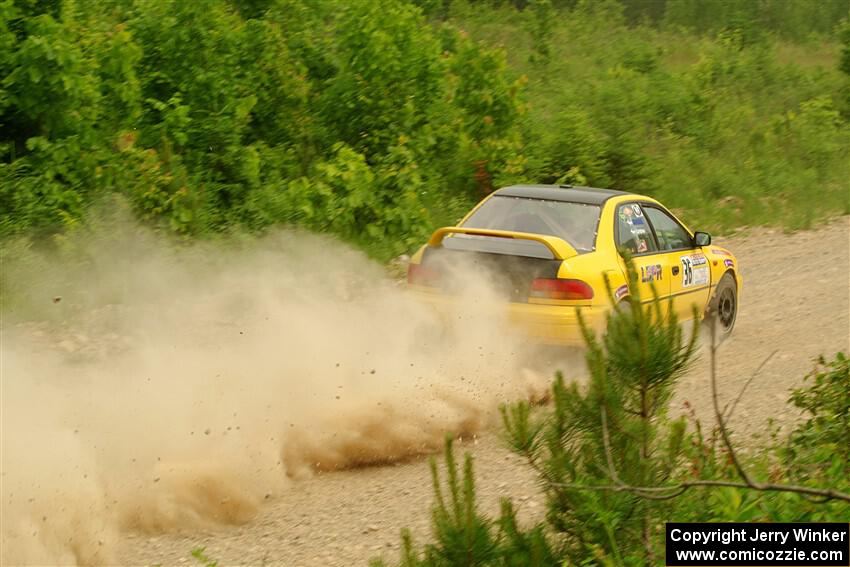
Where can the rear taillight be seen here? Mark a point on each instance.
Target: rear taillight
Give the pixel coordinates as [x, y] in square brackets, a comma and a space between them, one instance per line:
[554, 288]
[417, 274]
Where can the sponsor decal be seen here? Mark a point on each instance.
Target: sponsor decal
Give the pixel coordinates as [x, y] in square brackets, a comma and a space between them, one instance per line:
[636, 210]
[698, 259]
[641, 247]
[720, 252]
[728, 263]
[637, 220]
[694, 270]
[621, 292]
[650, 273]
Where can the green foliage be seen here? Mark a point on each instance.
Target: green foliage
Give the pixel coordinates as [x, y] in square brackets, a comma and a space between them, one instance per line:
[541, 28]
[712, 125]
[348, 117]
[790, 18]
[844, 62]
[359, 202]
[814, 453]
[464, 537]
[389, 78]
[202, 558]
[615, 431]
[229, 115]
[817, 449]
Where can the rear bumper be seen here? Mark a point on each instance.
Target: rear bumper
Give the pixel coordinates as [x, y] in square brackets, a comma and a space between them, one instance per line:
[543, 324]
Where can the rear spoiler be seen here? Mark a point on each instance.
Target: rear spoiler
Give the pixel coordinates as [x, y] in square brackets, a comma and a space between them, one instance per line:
[559, 247]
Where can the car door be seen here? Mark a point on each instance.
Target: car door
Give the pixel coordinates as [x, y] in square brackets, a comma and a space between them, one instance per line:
[634, 234]
[690, 281]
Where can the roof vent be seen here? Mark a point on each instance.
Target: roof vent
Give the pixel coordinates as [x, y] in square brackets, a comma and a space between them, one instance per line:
[565, 186]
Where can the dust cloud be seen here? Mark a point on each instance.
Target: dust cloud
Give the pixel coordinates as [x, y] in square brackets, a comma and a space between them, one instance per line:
[153, 387]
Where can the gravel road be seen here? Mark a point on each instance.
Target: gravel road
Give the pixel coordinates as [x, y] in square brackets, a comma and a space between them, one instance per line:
[796, 302]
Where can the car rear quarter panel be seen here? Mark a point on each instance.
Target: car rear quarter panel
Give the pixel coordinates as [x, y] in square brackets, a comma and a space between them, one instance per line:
[723, 261]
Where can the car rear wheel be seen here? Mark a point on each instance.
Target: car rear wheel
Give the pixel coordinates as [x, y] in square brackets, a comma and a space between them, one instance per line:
[723, 309]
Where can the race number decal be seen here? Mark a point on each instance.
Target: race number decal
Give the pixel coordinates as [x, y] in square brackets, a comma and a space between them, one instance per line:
[694, 270]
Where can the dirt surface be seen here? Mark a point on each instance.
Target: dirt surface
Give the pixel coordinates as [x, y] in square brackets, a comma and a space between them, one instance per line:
[795, 302]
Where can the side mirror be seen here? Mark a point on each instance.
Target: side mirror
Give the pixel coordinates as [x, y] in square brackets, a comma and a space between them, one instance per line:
[702, 239]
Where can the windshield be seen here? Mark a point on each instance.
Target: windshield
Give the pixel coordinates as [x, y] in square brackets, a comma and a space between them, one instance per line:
[574, 222]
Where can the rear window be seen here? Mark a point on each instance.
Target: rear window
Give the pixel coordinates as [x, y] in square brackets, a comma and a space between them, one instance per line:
[574, 222]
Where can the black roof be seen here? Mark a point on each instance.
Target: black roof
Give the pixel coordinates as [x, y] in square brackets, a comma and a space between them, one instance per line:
[568, 193]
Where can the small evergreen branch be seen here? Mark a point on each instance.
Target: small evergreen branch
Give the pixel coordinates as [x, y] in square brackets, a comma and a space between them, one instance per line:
[670, 491]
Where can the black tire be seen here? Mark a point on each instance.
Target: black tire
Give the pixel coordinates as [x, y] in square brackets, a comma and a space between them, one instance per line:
[723, 309]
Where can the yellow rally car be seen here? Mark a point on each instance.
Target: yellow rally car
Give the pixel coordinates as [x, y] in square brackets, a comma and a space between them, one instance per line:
[546, 247]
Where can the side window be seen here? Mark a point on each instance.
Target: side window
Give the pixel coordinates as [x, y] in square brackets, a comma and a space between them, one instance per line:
[670, 234]
[633, 232]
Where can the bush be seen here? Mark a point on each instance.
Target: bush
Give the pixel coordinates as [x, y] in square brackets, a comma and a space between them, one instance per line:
[817, 449]
[464, 537]
[218, 126]
[210, 117]
[616, 431]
